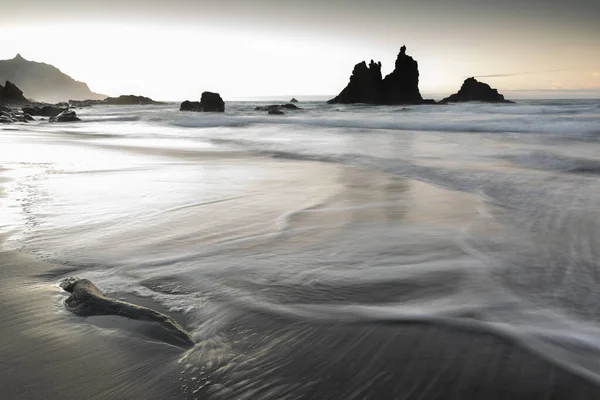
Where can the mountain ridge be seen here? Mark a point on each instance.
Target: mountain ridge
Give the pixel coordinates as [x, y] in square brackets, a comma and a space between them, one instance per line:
[44, 82]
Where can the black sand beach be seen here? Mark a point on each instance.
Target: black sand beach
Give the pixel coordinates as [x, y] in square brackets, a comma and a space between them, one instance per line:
[375, 264]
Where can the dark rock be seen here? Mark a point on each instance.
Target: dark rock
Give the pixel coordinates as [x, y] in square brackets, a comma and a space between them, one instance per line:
[402, 85]
[87, 300]
[364, 86]
[9, 115]
[367, 85]
[43, 111]
[473, 90]
[270, 107]
[209, 102]
[84, 103]
[11, 94]
[293, 100]
[65, 116]
[276, 112]
[190, 106]
[212, 102]
[130, 100]
[429, 101]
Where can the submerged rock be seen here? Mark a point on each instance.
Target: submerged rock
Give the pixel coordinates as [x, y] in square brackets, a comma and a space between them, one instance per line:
[270, 107]
[276, 112]
[65, 116]
[87, 300]
[473, 90]
[367, 85]
[130, 99]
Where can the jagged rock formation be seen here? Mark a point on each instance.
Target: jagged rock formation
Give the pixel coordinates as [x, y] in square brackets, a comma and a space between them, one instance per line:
[364, 87]
[367, 86]
[209, 102]
[11, 94]
[293, 100]
[402, 85]
[130, 99]
[65, 116]
[44, 82]
[473, 90]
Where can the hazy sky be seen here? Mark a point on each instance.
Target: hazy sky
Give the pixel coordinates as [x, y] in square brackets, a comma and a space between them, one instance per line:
[175, 49]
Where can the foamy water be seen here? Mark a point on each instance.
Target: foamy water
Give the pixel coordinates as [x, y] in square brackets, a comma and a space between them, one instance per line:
[483, 217]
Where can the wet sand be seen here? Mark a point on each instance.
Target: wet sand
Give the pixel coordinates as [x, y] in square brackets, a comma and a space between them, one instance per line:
[48, 353]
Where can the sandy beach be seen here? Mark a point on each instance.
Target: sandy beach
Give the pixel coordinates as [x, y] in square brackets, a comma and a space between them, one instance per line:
[325, 275]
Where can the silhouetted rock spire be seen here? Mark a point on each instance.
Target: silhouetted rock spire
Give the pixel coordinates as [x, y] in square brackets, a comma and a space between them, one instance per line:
[367, 86]
[402, 85]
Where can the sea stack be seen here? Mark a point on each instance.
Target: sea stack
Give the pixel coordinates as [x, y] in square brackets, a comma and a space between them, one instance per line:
[473, 90]
[367, 86]
[402, 85]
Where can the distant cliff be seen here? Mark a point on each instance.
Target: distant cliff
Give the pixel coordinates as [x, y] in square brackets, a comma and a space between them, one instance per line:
[44, 82]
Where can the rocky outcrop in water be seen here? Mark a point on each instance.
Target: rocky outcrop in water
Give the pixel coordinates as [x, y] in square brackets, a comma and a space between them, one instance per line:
[209, 102]
[473, 90]
[190, 106]
[402, 85]
[212, 102]
[87, 300]
[130, 100]
[367, 85]
[293, 100]
[43, 110]
[288, 106]
[276, 111]
[65, 116]
[9, 115]
[364, 86]
[11, 94]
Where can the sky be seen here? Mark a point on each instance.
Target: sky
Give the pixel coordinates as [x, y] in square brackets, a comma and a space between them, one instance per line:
[176, 49]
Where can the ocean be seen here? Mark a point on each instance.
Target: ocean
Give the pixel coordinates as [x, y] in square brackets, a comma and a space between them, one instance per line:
[335, 252]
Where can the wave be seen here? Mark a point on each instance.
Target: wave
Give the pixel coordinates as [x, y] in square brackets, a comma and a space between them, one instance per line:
[555, 162]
